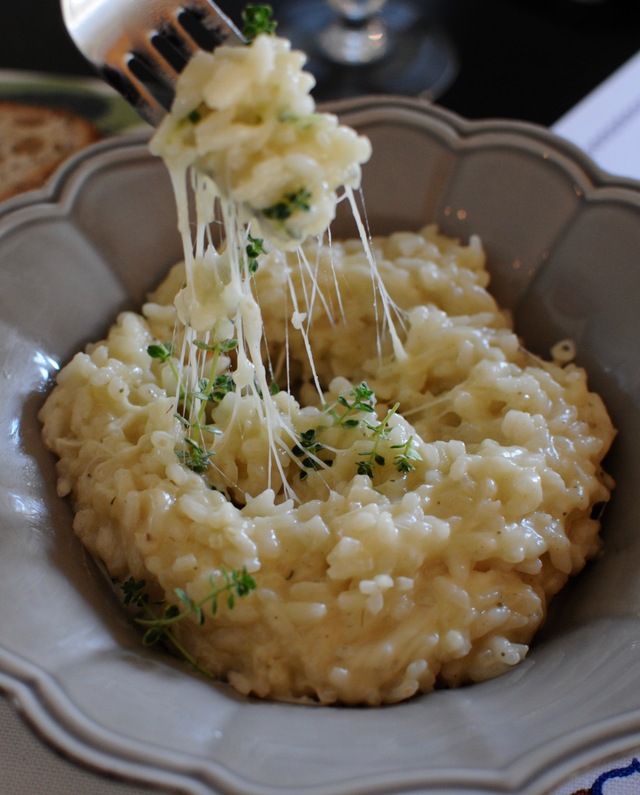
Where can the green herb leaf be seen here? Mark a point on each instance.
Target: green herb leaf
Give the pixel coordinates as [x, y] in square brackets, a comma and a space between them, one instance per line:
[134, 593]
[288, 205]
[256, 20]
[194, 457]
[183, 421]
[162, 352]
[365, 468]
[308, 443]
[171, 611]
[224, 346]
[196, 115]
[408, 453]
[222, 385]
[153, 636]
[363, 400]
[158, 627]
[255, 247]
[380, 432]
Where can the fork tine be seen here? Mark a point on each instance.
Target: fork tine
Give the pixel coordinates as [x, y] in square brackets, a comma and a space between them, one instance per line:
[152, 105]
[206, 30]
[156, 62]
[174, 49]
[152, 80]
[143, 45]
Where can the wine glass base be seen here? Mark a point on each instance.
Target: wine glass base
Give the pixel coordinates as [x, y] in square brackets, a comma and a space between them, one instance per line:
[420, 59]
[348, 47]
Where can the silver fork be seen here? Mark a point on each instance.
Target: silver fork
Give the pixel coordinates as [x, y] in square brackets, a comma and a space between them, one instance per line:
[141, 46]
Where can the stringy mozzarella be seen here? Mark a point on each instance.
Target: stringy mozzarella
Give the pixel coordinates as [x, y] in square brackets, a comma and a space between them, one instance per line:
[418, 488]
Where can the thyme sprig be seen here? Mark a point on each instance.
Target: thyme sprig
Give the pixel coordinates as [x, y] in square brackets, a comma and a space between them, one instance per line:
[255, 247]
[194, 425]
[347, 412]
[164, 352]
[373, 456]
[308, 449]
[403, 461]
[222, 385]
[288, 205]
[230, 584]
[211, 389]
[216, 386]
[195, 457]
[224, 346]
[363, 400]
[197, 114]
[257, 19]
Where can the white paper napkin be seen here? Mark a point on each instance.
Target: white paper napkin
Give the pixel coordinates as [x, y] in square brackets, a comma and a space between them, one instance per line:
[606, 123]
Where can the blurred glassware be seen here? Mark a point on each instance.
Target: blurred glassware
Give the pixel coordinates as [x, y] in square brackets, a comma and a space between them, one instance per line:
[358, 34]
[372, 46]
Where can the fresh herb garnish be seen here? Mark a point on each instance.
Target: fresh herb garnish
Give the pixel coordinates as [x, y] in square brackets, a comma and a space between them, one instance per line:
[303, 121]
[364, 400]
[214, 392]
[222, 385]
[209, 390]
[408, 453]
[194, 456]
[231, 585]
[290, 203]
[224, 346]
[256, 20]
[254, 248]
[373, 456]
[197, 114]
[164, 353]
[215, 387]
[308, 450]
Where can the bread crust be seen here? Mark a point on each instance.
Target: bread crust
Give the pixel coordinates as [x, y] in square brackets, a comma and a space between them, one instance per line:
[34, 141]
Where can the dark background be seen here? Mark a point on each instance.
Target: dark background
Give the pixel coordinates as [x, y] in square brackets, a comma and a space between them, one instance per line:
[522, 59]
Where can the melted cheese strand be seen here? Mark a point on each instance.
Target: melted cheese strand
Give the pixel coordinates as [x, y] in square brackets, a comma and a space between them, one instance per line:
[250, 331]
[316, 290]
[335, 278]
[297, 321]
[244, 127]
[379, 286]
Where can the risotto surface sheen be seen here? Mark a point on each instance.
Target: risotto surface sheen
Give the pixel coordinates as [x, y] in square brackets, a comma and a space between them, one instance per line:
[370, 587]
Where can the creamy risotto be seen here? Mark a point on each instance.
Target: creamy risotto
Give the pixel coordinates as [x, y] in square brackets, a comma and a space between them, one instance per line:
[244, 117]
[348, 436]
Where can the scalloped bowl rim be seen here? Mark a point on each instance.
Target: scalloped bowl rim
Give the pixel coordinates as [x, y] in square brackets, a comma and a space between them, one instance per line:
[62, 719]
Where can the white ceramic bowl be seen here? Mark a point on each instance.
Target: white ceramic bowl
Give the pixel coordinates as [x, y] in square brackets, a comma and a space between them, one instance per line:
[564, 243]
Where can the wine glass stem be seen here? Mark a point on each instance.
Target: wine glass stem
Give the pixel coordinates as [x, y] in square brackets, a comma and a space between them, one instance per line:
[358, 35]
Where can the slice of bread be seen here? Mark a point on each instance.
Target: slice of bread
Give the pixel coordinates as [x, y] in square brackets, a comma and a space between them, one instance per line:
[34, 141]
